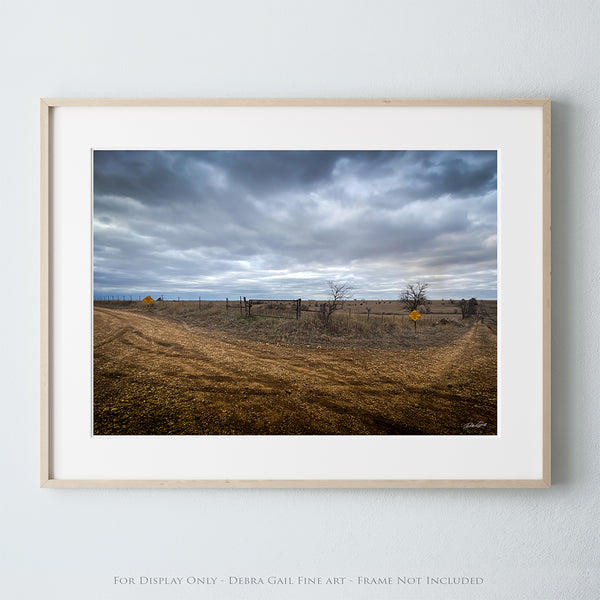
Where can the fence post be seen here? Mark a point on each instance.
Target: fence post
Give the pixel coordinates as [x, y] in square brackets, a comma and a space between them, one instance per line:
[298, 308]
[241, 313]
[246, 310]
[226, 303]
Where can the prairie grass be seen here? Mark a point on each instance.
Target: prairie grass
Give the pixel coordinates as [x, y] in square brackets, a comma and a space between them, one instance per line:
[348, 328]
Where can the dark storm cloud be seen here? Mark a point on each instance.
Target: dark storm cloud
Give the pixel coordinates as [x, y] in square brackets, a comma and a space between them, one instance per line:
[459, 173]
[283, 222]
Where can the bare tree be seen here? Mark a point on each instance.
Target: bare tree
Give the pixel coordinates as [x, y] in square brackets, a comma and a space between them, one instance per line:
[339, 291]
[414, 295]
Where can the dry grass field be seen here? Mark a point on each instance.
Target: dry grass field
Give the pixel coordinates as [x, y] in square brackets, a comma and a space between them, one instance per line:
[184, 368]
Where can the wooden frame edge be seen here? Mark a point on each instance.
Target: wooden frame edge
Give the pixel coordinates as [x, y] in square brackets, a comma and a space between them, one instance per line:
[45, 332]
[291, 483]
[270, 102]
[46, 106]
[547, 293]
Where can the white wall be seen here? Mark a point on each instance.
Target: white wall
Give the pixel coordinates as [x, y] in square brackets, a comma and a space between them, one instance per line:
[530, 544]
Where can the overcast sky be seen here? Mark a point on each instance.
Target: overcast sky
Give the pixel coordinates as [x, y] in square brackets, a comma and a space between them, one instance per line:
[281, 224]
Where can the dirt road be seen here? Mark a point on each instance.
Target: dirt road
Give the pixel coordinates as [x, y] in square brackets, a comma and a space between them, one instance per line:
[155, 376]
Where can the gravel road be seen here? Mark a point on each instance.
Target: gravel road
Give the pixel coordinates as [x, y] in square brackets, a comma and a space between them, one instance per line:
[155, 376]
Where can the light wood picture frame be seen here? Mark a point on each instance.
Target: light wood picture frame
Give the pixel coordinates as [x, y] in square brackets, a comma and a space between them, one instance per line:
[518, 452]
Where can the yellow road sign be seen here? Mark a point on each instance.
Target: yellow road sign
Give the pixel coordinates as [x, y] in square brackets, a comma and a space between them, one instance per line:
[414, 315]
[148, 300]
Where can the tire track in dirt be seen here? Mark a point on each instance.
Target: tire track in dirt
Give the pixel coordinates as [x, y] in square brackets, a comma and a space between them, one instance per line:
[154, 376]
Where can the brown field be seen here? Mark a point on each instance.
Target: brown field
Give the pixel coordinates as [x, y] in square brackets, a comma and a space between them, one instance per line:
[184, 368]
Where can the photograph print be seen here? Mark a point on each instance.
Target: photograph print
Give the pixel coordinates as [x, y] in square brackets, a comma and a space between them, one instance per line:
[313, 292]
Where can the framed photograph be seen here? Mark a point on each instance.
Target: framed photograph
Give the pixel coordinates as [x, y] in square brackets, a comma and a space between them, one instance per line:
[295, 293]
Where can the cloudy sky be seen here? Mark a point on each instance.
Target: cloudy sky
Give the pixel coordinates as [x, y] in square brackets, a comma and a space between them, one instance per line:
[281, 224]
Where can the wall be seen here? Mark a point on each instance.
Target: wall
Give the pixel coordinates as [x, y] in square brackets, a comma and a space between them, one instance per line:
[523, 543]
